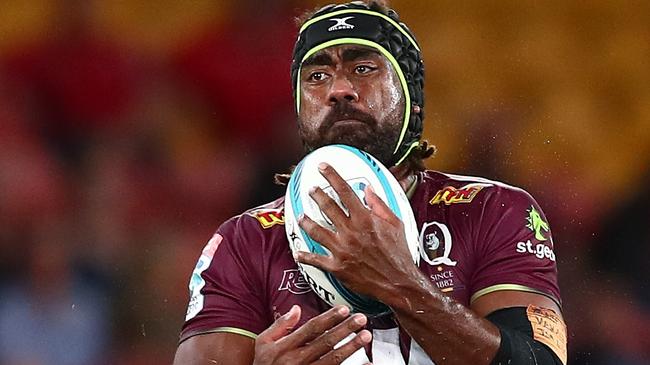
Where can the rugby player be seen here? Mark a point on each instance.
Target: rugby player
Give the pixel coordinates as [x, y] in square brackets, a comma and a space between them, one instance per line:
[485, 291]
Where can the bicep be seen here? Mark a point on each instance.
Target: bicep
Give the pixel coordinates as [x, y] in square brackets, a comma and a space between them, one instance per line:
[216, 349]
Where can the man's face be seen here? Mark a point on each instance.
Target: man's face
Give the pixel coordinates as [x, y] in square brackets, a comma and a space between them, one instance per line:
[350, 94]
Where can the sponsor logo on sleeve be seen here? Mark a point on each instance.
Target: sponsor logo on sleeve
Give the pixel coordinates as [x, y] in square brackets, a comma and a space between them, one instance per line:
[435, 244]
[294, 282]
[540, 250]
[541, 246]
[451, 195]
[268, 217]
[536, 224]
[196, 281]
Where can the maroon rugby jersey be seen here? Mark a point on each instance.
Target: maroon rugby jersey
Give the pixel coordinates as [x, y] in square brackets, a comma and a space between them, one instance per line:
[477, 236]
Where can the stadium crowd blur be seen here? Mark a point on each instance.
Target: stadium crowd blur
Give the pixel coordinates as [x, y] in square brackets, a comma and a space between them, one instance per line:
[130, 130]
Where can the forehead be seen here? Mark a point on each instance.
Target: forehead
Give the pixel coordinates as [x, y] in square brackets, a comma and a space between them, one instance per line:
[343, 53]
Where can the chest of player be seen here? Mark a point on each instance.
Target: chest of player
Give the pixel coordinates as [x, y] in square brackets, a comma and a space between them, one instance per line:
[445, 260]
[445, 251]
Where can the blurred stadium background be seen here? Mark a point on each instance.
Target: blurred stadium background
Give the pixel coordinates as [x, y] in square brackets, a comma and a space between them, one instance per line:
[129, 130]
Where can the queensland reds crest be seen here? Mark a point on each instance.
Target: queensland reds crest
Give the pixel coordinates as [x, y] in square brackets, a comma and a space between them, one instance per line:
[435, 244]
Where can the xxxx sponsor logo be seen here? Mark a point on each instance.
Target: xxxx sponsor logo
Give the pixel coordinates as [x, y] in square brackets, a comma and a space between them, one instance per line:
[452, 195]
[268, 217]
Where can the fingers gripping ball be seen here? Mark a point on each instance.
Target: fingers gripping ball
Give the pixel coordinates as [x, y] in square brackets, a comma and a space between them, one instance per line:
[359, 170]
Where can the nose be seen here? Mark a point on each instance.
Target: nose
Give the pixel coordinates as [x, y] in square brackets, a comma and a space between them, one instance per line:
[342, 89]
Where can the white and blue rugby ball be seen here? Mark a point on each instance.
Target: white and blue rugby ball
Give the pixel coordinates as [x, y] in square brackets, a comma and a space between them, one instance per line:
[359, 169]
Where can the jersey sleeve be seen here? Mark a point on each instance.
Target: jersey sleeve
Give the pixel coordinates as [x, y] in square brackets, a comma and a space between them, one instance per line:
[514, 246]
[226, 286]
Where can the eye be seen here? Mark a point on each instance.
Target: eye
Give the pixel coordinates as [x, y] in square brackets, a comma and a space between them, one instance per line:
[363, 69]
[317, 76]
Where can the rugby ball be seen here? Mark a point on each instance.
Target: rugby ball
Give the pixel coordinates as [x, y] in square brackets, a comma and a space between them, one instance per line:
[359, 169]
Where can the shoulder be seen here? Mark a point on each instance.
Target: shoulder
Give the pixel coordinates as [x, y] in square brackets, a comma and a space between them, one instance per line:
[499, 214]
[259, 220]
[242, 244]
[447, 189]
[475, 204]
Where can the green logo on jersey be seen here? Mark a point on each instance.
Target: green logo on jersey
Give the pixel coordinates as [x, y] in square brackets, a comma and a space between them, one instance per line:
[536, 223]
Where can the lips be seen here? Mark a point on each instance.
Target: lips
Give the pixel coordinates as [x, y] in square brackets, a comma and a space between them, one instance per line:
[349, 121]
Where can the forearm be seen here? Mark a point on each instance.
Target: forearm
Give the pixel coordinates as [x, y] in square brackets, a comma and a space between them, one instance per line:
[447, 331]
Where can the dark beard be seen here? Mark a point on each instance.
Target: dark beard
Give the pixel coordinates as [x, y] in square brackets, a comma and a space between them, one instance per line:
[369, 136]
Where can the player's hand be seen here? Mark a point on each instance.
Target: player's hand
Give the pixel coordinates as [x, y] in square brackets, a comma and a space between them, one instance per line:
[314, 341]
[369, 250]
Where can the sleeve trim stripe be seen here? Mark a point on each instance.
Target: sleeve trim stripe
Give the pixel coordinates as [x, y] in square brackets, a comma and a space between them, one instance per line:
[515, 287]
[234, 330]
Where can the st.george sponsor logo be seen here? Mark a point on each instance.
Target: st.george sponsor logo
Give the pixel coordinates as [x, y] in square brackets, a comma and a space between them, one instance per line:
[540, 250]
[536, 224]
[268, 217]
[451, 195]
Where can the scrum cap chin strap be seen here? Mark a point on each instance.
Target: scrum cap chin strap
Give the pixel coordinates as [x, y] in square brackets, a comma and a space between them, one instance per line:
[371, 29]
